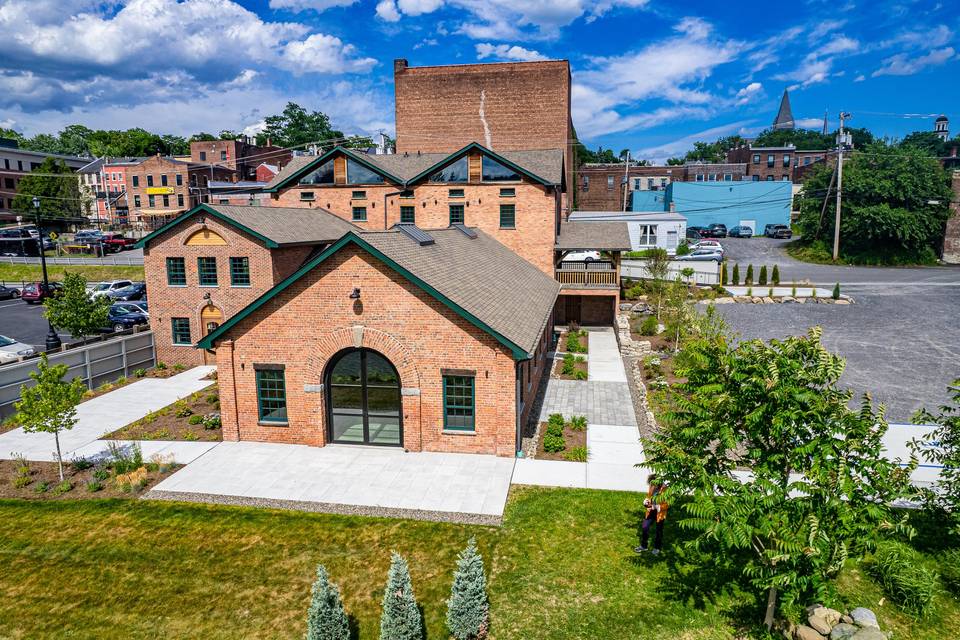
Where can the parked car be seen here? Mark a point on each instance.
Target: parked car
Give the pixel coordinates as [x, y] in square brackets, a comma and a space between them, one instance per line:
[136, 291]
[114, 241]
[11, 350]
[87, 236]
[123, 315]
[717, 230]
[702, 255]
[741, 231]
[582, 256]
[36, 292]
[103, 288]
[707, 244]
[696, 233]
[8, 293]
[777, 231]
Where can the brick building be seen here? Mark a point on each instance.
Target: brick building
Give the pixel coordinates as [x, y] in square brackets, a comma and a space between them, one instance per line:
[951, 240]
[159, 189]
[242, 156]
[601, 186]
[16, 163]
[778, 163]
[504, 106]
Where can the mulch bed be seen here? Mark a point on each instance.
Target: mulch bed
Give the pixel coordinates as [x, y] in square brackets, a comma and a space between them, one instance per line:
[46, 472]
[558, 370]
[173, 421]
[571, 437]
[584, 340]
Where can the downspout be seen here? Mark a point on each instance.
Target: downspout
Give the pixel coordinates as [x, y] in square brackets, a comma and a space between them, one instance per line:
[519, 436]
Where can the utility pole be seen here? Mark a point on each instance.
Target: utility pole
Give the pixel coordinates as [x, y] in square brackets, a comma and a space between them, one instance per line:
[626, 179]
[53, 340]
[841, 143]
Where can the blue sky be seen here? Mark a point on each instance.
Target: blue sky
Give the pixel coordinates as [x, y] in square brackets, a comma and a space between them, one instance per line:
[649, 75]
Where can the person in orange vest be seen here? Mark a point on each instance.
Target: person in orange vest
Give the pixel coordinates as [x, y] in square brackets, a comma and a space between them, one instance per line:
[656, 514]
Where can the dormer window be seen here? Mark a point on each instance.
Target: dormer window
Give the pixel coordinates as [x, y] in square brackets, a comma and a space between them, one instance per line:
[453, 172]
[494, 171]
[321, 175]
[359, 174]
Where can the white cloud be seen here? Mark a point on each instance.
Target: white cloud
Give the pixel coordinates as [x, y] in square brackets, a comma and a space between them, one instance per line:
[507, 52]
[749, 93]
[931, 38]
[860, 78]
[767, 52]
[838, 44]
[321, 53]
[387, 10]
[303, 5]
[902, 65]
[809, 123]
[426, 42]
[825, 27]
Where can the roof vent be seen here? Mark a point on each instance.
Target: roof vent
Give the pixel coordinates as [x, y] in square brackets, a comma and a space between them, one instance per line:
[465, 230]
[415, 233]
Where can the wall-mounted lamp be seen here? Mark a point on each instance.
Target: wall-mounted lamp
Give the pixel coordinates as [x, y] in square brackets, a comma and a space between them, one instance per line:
[355, 294]
[201, 220]
[206, 296]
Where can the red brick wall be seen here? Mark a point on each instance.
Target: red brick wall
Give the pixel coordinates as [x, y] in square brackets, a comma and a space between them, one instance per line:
[535, 207]
[418, 334]
[166, 302]
[951, 241]
[526, 105]
[265, 174]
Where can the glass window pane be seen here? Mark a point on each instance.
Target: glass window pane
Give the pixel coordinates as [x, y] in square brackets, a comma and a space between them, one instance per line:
[271, 395]
[458, 413]
[359, 174]
[176, 271]
[207, 271]
[180, 328]
[408, 215]
[384, 429]
[240, 272]
[346, 399]
[456, 214]
[321, 175]
[508, 216]
[359, 214]
[383, 401]
[455, 172]
[380, 372]
[347, 428]
[347, 369]
[493, 171]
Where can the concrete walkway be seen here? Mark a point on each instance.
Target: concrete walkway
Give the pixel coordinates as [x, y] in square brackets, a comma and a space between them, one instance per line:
[104, 414]
[378, 481]
[605, 363]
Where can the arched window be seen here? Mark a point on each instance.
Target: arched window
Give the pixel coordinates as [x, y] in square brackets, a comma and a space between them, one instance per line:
[363, 399]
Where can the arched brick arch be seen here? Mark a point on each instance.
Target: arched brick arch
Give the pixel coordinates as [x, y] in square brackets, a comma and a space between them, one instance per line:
[332, 342]
[214, 238]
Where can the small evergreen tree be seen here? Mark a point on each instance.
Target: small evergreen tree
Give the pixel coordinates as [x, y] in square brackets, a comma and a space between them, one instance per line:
[749, 278]
[836, 291]
[763, 276]
[723, 274]
[775, 276]
[468, 610]
[401, 617]
[736, 274]
[326, 619]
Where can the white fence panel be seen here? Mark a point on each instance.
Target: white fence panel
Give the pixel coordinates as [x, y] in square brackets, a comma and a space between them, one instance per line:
[704, 273]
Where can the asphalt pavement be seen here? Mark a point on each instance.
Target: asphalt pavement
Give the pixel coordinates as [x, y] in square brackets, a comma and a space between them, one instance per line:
[25, 323]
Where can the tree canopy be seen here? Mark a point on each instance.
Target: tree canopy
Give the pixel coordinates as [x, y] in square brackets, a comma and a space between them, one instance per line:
[296, 127]
[57, 187]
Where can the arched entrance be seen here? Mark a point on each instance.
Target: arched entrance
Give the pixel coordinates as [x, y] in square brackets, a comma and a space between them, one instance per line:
[210, 318]
[363, 399]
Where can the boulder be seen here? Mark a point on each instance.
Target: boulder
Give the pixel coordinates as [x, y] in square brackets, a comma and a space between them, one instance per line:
[788, 300]
[847, 619]
[863, 617]
[803, 632]
[841, 301]
[640, 307]
[625, 306]
[843, 631]
[723, 300]
[869, 634]
[823, 619]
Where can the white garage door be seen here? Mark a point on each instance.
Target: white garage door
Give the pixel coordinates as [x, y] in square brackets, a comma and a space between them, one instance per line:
[750, 223]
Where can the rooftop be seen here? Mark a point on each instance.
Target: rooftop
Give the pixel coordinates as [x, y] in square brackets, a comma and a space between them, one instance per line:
[595, 235]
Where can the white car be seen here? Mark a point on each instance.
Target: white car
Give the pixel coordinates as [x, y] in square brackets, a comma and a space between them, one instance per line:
[702, 255]
[706, 244]
[103, 288]
[582, 256]
[11, 350]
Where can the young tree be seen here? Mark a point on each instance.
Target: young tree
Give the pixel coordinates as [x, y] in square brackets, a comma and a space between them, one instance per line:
[658, 264]
[401, 617]
[941, 446]
[782, 481]
[326, 618]
[468, 610]
[836, 292]
[74, 310]
[56, 186]
[736, 274]
[677, 309]
[50, 405]
[763, 276]
[724, 277]
[748, 279]
[775, 276]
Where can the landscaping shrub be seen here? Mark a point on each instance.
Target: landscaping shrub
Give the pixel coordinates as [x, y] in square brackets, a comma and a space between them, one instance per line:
[634, 291]
[836, 291]
[577, 454]
[793, 290]
[736, 274]
[653, 366]
[763, 276]
[132, 481]
[140, 373]
[468, 609]
[183, 410]
[553, 444]
[649, 326]
[212, 421]
[900, 571]
[749, 292]
[125, 461]
[161, 366]
[555, 427]
[179, 367]
[749, 277]
[683, 249]
[81, 464]
[775, 276]
[770, 292]
[326, 618]
[195, 419]
[723, 274]
[579, 374]
[949, 565]
[211, 398]
[401, 616]
[101, 473]
[19, 482]
[578, 423]
[94, 485]
[62, 488]
[574, 345]
[42, 487]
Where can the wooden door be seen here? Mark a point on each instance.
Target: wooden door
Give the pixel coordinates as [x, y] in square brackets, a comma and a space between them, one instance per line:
[210, 318]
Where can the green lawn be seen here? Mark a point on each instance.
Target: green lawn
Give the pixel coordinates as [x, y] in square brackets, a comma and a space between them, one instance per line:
[560, 567]
[32, 272]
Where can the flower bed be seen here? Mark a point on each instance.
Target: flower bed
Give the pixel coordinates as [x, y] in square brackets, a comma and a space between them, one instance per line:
[574, 340]
[561, 439]
[570, 367]
[196, 417]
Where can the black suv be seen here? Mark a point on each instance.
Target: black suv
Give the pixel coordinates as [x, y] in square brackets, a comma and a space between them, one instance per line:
[777, 231]
[717, 230]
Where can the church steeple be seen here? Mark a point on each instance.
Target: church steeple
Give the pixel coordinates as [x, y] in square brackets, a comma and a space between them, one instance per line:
[784, 119]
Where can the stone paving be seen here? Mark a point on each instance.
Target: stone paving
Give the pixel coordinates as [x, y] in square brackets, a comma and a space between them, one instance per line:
[600, 402]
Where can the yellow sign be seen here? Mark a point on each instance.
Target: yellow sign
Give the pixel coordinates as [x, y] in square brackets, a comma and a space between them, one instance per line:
[160, 191]
[53, 235]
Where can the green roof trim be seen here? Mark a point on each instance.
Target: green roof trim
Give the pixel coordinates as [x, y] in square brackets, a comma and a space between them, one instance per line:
[352, 238]
[476, 146]
[313, 164]
[207, 210]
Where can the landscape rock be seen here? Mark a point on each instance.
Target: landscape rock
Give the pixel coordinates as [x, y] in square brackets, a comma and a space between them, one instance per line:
[803, 632]
[625, 306]
[847, 619]
[863, 617]
[843, 631]
[788, 300]
[841, 301]
[823, 619]
[640, 307]
[723, 300]
[869, 634]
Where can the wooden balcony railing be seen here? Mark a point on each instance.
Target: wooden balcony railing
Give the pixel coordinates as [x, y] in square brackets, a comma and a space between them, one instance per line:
[594, 273]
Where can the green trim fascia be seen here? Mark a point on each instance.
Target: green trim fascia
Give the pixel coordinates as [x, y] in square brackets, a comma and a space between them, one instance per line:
[206, 208]
[310, 166]
[351, 238]
[476, 146]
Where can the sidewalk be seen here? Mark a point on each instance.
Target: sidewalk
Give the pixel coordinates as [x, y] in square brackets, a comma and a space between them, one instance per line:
[104, 414]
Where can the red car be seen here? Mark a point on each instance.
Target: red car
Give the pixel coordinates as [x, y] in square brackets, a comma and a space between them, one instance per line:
[35, 292]
[117, 242]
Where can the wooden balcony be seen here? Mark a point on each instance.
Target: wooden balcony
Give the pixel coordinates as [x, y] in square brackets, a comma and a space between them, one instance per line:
[595, 274]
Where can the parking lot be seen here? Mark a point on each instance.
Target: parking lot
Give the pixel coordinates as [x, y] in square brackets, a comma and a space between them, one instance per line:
[901, 337]
[25, 322]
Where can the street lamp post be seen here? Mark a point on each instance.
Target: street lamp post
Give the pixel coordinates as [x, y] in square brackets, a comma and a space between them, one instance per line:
[53, 340]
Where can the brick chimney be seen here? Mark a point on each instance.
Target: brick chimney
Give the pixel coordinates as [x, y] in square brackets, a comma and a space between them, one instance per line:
[400, 65]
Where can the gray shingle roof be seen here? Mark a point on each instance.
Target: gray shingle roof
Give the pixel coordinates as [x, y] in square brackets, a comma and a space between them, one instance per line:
[482, 276]
[593, 235]
[288, 225]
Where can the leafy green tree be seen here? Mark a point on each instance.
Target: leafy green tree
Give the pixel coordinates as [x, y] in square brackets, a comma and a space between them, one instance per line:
[326, 618]
[676, 307]
[50, 405]
[724, 275]
[401, 617]
[658, 264]
[175, 145]
[781, 481]
[203, 136]
[73, 140]
[468, 609]
[941, 446]
[930, 143]
[56, 186]
[74, 310]
[10, 134]
[713, 151]
[296, 126]
[895, 205]
[673, 162]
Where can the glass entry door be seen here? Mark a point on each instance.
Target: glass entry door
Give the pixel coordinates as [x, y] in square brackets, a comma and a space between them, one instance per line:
[364, 399]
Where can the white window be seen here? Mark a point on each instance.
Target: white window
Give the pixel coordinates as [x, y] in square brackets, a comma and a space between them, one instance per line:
[610, 182]
[636, 184]
[648, 235]
[699, 177]
[727, 177]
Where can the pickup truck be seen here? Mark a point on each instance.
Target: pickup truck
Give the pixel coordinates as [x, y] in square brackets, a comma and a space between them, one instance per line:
[117, 242]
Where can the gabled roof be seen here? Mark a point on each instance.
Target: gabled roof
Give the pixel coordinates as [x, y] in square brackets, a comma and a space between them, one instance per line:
[593, 235]
[540, 165]
[478, 278]
[274, 226]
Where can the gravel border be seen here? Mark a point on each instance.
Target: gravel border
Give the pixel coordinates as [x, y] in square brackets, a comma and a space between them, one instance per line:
[326, 507]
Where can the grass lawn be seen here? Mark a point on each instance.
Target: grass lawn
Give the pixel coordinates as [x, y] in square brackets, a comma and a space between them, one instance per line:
[820, 252]
[561, 567]
[32, 272]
